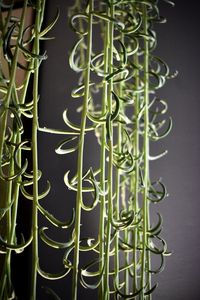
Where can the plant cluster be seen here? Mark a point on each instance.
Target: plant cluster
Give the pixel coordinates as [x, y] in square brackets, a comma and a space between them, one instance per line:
[119, 108]
[19, 174]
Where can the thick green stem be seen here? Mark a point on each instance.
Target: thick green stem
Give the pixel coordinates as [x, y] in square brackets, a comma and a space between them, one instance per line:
[39, 14]
[102, 167]
[146, 155]
[10, 222]
[135, 179]
[80, 157]
[11, 82]
[117, 191]
[110, 165]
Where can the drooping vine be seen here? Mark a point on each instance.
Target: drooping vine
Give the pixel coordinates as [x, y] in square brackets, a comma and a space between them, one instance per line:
[122, 109]
[19, 173]
[119, 109]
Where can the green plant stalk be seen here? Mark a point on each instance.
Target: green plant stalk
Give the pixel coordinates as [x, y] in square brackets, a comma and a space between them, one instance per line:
[15, 193]
[117, 191]
[6, 274]
[39, 14]
[110, 165]
[117, 184]
[82, 57]
[31, 64]
[126, 238]
[135, 178]
[11, 196]
[16, 198]
[80, 157]
[9, 222]
[102, 167]
[11, 82]
[123, 202]
[125, 205]
[145, 207]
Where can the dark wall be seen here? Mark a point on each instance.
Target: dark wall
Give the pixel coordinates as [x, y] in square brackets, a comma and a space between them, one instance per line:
[179, 46]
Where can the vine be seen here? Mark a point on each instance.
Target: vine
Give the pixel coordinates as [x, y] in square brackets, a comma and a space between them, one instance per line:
[119, 108]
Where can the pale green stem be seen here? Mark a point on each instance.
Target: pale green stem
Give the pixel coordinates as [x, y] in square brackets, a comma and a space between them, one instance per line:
[39, 14]
[117, 191]
[9, 221]
[11, 82]
[117, 184]
[7, 271]
[124, 206]
[80, 157]
[126, 256]
[145, 207]
[110, 165]
[6, 274]
[135, 179]
[102, 167]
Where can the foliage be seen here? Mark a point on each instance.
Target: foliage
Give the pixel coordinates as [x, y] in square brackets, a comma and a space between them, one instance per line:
[119, 107]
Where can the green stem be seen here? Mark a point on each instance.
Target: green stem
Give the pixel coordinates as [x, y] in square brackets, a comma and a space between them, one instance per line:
[124, 207]
[110, 165]
[146, 154]
[10, 223]
[117, 191]
[6, 274]
[135, 179]
[11, 82]
[80, 157]
[102, 167]
[39, 15]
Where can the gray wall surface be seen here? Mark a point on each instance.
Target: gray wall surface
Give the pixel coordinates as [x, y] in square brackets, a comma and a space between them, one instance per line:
[179, 46]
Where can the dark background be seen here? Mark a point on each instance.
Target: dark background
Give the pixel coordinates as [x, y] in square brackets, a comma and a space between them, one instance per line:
[179, 46]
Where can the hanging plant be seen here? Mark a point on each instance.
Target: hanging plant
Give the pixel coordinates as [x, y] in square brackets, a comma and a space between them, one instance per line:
[119, 76]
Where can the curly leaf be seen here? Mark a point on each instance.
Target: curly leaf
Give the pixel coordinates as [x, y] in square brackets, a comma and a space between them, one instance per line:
[4, 210]
[152, 248]
[157, 228]
[60, 150]
[128, 296]
[51, 276]
[80, 90]
[90, 246]
[107, 18]
[86, 273]
[157, 137]
[16, 175]
[6, 43]
[51, 25]
[72, 62]
[72, 184]
[52, 243]
[160, 268]
[40, 196]
[126, 219]
[4, 246]
[149, 292]
[73, 126]
[156, 196]
[117, 107]
[117, 75]
[74, 18]
[158, 156]
[17, 119]
[96, 196]
[55, 221]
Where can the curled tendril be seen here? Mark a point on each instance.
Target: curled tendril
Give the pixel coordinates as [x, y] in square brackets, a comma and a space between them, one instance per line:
[125, 117]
